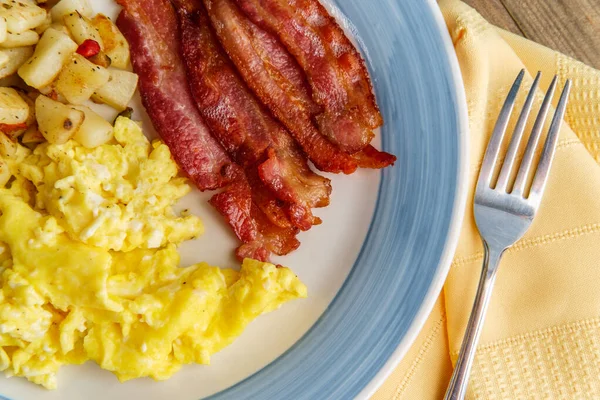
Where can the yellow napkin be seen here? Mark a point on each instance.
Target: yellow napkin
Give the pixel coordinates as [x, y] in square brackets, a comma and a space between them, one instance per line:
[541, 338]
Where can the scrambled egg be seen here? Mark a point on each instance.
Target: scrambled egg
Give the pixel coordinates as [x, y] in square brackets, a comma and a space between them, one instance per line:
[113, 196]
[69, 292]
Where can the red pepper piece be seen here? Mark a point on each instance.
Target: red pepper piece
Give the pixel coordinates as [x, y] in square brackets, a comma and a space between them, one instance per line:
[88, 48]
[10, 128]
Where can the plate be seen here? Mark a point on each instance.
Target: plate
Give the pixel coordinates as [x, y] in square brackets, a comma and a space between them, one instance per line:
[376, 265]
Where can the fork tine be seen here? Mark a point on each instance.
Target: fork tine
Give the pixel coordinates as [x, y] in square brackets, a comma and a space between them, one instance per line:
[543, 168]
[536, 132]
[515, 142]
[491, 154]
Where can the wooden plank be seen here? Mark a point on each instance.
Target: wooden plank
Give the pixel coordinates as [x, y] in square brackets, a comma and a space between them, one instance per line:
[569, 26]
[495, 12]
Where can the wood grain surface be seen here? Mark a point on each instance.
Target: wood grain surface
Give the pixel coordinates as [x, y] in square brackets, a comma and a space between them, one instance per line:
[569, 26]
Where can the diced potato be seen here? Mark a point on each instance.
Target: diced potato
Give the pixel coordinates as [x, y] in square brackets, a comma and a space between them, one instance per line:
[44, 25]
[81, 28]
[32, 136]
[13, 109]
[30, 103]
[56, 121]
[5, 174]
[59, 26]
[3, 29]
[80, 78]
[8, 147]
[27, 38]
[21, 15]
[14, 119]
[119, 89]
[51, 92]
[4, 59]
[14, 131]
[51, 53]
[65, 7]
[16, 58]
[95, 130]
[115, 45]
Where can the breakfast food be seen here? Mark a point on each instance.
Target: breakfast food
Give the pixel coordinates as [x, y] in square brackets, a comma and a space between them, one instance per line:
[273, 74]
[249, 134]
[14, 111]
[57, 122]
[11, 59]
[166, 96]
[115, 45]
[333, 66]
[116, 196]
[118, 91]
[274, 177]
[68, 291]
[20, 16]
[65, 54]
[53, 51]
[277, 79]
[88, 234]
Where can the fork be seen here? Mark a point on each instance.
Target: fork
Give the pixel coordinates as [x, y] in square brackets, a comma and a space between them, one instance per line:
[503, 214]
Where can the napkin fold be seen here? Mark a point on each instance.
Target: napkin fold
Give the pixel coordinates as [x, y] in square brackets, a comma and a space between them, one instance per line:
[541, 338]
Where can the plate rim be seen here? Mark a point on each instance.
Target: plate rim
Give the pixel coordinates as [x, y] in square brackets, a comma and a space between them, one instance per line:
[458, 213]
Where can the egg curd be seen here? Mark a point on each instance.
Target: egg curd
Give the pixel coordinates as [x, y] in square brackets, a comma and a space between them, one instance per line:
[89, 266]
[117, 197]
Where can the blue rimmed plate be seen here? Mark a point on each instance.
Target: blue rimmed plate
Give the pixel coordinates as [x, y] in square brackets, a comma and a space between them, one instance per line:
[376, 265]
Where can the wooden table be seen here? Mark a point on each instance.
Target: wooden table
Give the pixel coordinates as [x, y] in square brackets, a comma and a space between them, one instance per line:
[569, 26]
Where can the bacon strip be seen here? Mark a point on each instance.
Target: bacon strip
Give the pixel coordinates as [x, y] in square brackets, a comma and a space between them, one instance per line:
[268, 238]
[277, 79]
[335, 69]
[150, 27]
[249, 134]
[372, 158]
[275, 239]
[165, 94]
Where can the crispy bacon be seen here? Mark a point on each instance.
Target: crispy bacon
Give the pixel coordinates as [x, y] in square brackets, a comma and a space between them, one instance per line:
[349, 61]
[260, 237]
[370, 157]
[334, 68]
[165, 93]
[276, 78]
[259, 54]
[150, 27]
[276, 240]
[248, 133]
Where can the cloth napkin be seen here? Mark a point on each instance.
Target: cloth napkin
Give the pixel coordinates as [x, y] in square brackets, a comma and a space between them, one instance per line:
[541, 338]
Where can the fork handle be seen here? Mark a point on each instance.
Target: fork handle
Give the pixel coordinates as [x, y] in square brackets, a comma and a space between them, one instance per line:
[460, 377]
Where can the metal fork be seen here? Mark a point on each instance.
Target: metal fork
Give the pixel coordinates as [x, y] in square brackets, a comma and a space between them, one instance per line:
[503, 215]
